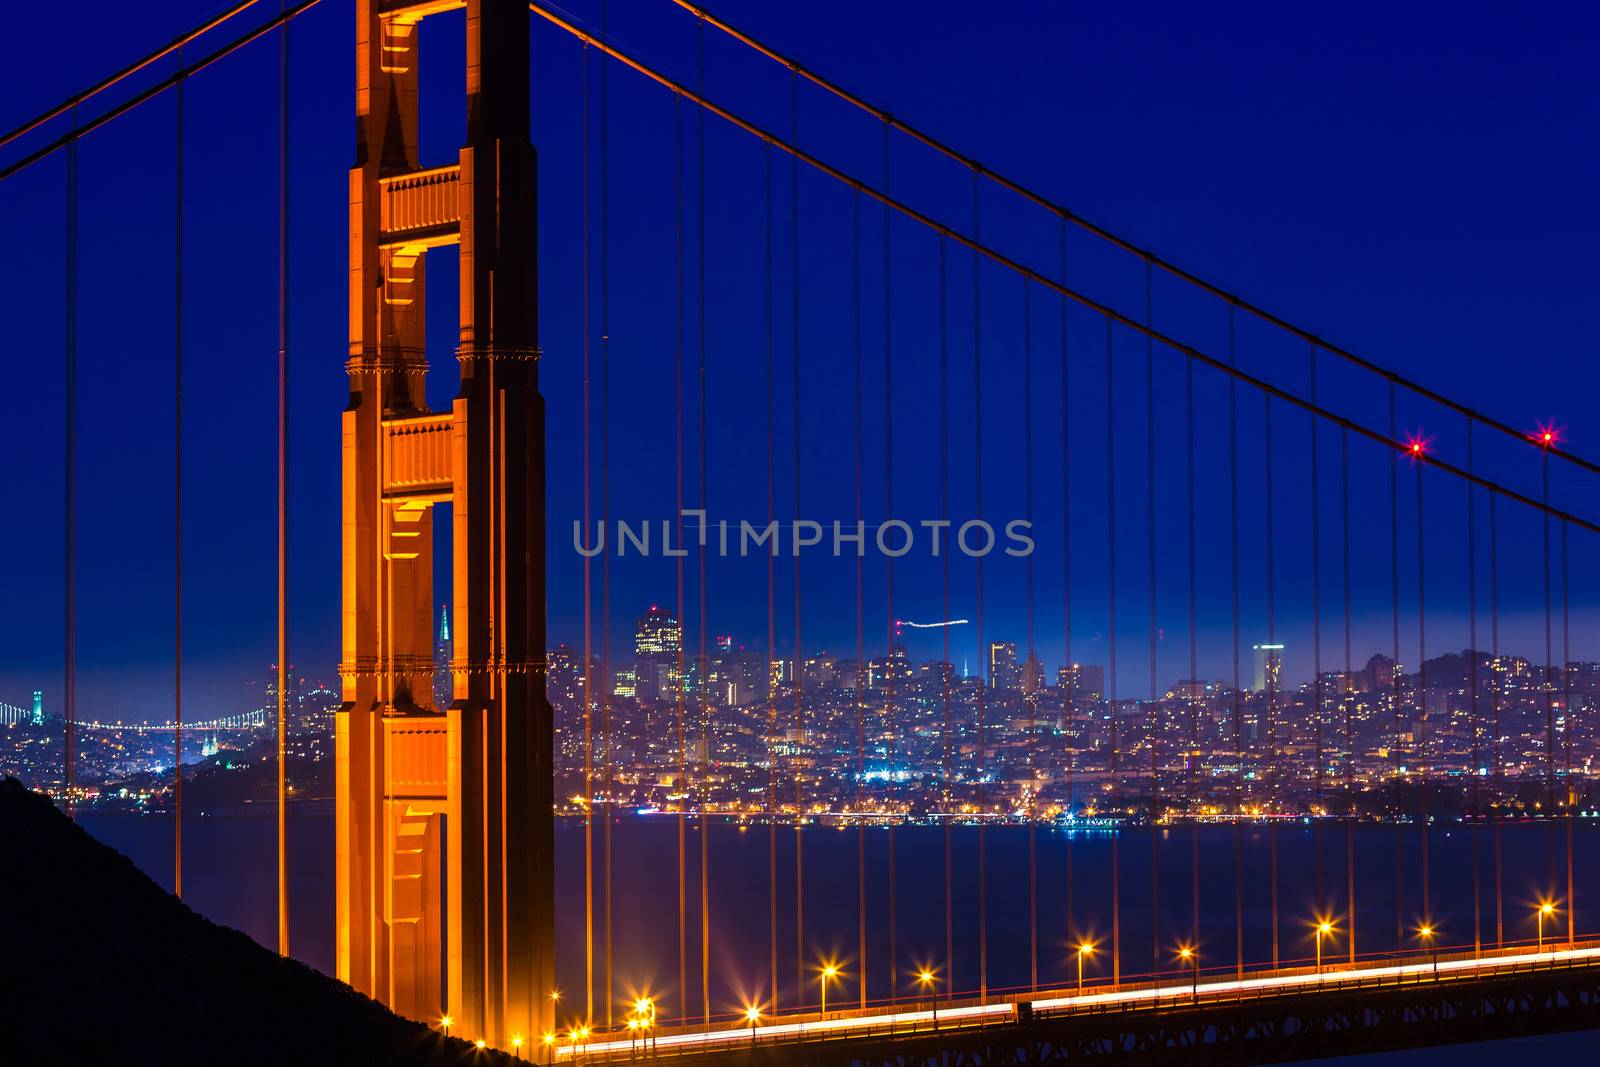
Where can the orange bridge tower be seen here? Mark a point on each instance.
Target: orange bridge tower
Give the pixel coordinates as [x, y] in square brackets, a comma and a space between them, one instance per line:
[444, 852]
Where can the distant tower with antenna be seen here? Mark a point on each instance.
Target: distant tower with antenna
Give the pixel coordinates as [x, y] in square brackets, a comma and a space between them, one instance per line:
[442, 682]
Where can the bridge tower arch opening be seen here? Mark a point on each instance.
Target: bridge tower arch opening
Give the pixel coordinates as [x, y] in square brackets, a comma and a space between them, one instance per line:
[444, 866]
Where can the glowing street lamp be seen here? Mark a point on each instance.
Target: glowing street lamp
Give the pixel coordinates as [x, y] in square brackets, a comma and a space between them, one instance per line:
[1085, 950]
[480, 1044]
[1546, 910]
[1324, 929]
[1430, 937]
[1188, 955]
[830, 971]
[752, 1015]
[516, 1045]
[444, 1024]
[929, 981]
[549, 1039]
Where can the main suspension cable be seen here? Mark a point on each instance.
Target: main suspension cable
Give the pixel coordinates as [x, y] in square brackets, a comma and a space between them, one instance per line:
[174, 46]
[975, 245]
[972, 243]
[1065, 214]
[80, 129]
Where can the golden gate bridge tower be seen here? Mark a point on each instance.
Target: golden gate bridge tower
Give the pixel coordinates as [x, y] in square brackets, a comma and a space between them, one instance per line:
[444, 830]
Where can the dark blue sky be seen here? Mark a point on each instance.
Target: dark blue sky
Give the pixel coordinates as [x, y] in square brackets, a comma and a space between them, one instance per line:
[1417, 188]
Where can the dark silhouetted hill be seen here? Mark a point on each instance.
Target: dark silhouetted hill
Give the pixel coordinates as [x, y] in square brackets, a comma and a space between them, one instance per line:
[99, 965]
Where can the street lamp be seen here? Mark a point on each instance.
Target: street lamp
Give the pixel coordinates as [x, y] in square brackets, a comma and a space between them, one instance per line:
[550, 1045]
[1429, 936]
[444, 1024]
[516, 1045]
[927, 980]
[1324, 929]
[830, 971]
[1085, 950]
[1188, 955]
[1546, 910]
[752, 1015]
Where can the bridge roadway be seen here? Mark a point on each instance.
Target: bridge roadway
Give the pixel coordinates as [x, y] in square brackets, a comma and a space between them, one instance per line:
[1263, 1018]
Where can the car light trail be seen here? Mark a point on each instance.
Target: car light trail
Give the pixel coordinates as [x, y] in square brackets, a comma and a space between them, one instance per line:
[739, 1033]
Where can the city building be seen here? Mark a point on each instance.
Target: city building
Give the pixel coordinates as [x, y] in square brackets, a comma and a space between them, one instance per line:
[442, 684]
[1269, 667]
[1004, 672]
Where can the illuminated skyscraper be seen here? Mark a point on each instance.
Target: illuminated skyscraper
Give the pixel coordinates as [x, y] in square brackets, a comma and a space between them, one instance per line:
[1269, 667]
[442, 681]
[38, 707]
[658, 644]
[1003, 670]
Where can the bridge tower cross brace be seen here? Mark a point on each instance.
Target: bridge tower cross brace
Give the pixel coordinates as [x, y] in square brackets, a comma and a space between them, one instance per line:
[444, 867]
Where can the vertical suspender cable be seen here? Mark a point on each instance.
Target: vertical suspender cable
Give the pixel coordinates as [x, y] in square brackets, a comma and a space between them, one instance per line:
[283, 489]
[1349, 710]
[977, 452]
[948, 670]
[798, 680]
[1069, 689]
[1153, 711]
[682, 687]
[1320, 899]
[861, 808]
[705, 469]
[1473, 667]
[772, 618]
[1549, 698]
[888, 563]
[1495, 683]
[177, 496]
[1273, 678]
[1032, 677]
[1195, 695]
[1569, 797]
[605, 519]
[1420, 737]
[588, 605]
[69, 740]
[1394, 597]
[1111, 675]
[1238, 693]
